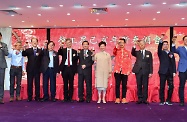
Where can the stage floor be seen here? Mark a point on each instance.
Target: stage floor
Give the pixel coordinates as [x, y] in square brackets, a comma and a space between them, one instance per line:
[57, 111]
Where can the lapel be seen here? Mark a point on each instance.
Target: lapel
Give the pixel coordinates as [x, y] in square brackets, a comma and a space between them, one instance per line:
[185, 51]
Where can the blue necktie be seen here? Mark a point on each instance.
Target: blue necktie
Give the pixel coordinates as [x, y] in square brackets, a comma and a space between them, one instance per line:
[35, 50]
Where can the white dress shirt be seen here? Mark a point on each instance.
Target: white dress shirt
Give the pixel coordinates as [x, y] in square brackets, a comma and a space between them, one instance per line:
[51, 59]
[66, 63]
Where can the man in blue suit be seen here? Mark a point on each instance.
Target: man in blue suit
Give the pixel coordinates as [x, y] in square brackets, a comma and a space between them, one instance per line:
[182, 66]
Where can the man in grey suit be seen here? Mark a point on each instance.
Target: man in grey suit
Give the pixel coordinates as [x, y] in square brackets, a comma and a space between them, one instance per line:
[3, 65]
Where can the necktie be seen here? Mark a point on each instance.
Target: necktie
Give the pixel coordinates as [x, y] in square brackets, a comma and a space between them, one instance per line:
[84, 54]
[68, 58]
[35, 52]
[142, 54]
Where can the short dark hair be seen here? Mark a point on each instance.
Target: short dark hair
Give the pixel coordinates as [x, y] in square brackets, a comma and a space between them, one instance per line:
[68, 39]
[85, 42]
[122, 39]
[102, 42]
[184, 37]
[50, 42]
[0, 34]
[165, 42]
[34, 38]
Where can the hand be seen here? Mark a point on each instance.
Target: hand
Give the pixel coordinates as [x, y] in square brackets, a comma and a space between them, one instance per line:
[78, 51]
[23, 73]
[174, 74]
[57, 74]
[83, 66]
[128, 73]
[150, 75]
[162, 36]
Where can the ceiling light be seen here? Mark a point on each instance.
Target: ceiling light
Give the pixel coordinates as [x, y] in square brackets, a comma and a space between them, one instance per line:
[22, 21]
[47, 20]
[158, 12]
[94, 4]
[128, 12]
[182, 4]
[154, 18]
[101, 25]
[97, 13]
[73, 20]
[164, 3]
[28, 6]
[183, 18]
[126, 19]
[68, 14]
[129, 4]
[12, 15]
[146, 4]
[45, 7]
[176, 24]
[10, 26]
[39, 14]
[78, 6]
[97, 19]
[61, 5]
[32, 26]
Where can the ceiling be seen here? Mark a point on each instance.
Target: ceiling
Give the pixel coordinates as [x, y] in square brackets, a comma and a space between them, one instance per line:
[121, 13]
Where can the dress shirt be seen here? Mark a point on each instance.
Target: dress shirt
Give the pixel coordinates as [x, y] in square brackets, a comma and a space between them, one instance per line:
[17, 59]
[51, 59]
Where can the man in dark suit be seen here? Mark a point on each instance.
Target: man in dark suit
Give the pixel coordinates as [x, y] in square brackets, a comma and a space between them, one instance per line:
[49, 68]
[167, 70]
[85, 72]
[34, 56]
[3, 66]
[143, 69]
[182, 66]
[68, 67]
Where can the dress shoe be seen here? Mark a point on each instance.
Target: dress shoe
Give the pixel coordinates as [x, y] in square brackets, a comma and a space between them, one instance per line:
[1, 101]
[53, 100]
[70, 100]
[37, 99]
[81, 100]
[138, 102]
[29, 100]
[88, 101]
[99, 101]
[11, 99]
[44, 99]
[18, 98]
[64, 100]
[162, 103]
[181, 104]
[117, 101]
[124, 101]
[145, 102]
[104, 101]
[168, 103]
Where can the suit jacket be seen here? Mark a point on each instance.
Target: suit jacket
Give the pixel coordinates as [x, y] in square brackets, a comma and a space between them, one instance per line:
[34, 62]
[63, 53]
[46, 61]
[182, 52]
[3, 53]
[167, 61]
[145, 64]
[87, 60]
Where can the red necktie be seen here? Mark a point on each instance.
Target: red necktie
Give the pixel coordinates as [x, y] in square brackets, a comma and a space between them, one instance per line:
[68, 58]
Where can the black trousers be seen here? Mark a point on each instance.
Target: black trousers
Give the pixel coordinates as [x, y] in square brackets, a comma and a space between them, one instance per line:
[182, 78]
[15, 76]
[163, 78]
[121, 78]
[68, 78]
[87, 77]
[33, 77]
[50, 74]
[142, 85]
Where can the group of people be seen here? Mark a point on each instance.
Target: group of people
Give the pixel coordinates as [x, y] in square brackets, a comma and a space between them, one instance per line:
[46, 61]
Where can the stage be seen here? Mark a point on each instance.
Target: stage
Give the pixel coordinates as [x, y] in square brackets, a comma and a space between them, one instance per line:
[20, 111]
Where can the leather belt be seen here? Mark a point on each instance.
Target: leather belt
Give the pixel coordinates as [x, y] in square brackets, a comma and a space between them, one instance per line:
[12, 66]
